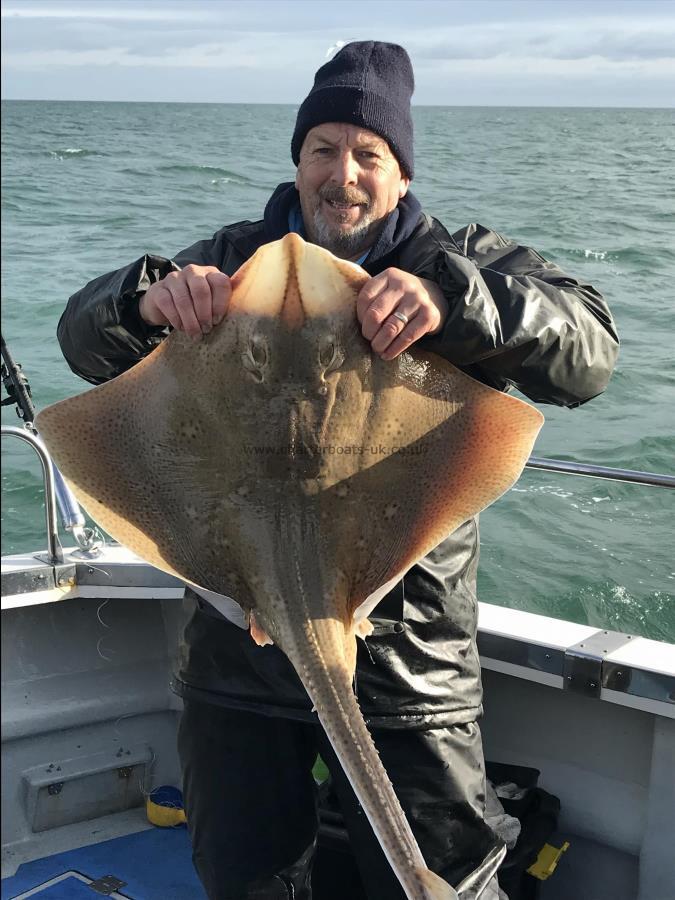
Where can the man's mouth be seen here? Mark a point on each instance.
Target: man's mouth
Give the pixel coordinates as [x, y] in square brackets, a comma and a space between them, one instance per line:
[338, 204]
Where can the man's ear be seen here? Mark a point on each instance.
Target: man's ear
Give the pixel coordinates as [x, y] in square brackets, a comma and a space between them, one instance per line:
[296, 180]
[403, 187]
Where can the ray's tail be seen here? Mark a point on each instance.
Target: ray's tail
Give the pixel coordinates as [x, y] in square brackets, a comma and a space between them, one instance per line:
[319, 661]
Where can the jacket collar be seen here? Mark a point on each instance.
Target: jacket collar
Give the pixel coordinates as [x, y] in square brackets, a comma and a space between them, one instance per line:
[398, 226]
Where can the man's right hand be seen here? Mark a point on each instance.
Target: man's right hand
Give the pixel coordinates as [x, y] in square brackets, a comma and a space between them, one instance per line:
[192, 300]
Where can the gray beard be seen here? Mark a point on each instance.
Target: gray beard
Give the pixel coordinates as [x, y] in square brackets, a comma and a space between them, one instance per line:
[339, 242]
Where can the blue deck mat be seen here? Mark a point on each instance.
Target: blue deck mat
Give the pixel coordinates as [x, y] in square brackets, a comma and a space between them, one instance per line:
[155, 864]
[69, 888]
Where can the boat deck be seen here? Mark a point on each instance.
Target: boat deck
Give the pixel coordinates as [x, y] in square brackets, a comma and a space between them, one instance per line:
[590, 870]
[155, 864]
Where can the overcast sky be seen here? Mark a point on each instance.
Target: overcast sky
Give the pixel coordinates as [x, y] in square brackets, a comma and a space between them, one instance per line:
[471, 52]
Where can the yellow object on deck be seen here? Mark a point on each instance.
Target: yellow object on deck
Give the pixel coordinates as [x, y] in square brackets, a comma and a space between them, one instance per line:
[164, 807]
[547, 859]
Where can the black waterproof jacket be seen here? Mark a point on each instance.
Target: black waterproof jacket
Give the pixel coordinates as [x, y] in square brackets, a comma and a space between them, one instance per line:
[514, 320]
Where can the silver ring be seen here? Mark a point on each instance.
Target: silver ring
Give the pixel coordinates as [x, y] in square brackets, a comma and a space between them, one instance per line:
[402, 317]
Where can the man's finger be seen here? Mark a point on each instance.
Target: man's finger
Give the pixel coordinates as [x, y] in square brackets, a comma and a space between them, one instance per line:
[185, 307]
[411, 333]
[200, 291]
[379, 311]
[392, 326]
[163, 302]
[221, 291]
[369, 292]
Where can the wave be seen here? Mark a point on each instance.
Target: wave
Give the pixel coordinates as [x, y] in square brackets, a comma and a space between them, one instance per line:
[650, 452]
[137, 173]
[604, 603]
[214, 171]
[611, 605]
[73, 153]
[624, 254]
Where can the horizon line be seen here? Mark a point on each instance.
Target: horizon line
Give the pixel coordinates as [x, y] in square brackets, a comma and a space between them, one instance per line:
[271, 103]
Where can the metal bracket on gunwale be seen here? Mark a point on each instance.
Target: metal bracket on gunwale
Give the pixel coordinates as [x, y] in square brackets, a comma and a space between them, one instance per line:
[583, 663]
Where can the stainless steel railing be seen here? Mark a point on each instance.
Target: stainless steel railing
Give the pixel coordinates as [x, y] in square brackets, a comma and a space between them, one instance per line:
[58, 496]
[54, 548]
[593, 471]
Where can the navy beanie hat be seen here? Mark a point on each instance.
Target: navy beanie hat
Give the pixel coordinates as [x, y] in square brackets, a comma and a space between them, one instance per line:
[369, 84]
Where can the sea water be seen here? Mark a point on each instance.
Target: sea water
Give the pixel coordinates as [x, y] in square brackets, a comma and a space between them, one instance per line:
[88, 187]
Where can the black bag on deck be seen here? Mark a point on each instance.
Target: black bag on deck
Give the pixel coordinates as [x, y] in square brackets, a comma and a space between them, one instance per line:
[537, 811]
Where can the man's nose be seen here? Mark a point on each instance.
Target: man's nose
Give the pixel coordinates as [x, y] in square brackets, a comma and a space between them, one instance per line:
[345, 169]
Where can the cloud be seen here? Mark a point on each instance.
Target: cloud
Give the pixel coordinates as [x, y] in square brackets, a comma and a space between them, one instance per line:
[615, 40]
[185, 34]
[275, 48]
[271, 52]
[266, 51]
[112, 13]
[201, 56]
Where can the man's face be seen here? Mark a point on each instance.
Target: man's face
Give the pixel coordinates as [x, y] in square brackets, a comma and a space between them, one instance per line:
[349, 181]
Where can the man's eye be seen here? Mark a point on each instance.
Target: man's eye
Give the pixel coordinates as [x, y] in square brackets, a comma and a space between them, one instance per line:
[322, 151]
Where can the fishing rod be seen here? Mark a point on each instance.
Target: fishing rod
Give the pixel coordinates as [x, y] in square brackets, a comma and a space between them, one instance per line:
[16, 385]
[19, 394]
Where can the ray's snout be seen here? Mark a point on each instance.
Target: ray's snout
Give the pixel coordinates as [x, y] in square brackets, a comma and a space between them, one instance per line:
[290, 280]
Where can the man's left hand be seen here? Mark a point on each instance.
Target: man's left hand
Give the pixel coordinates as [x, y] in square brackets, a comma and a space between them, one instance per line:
[419, 305]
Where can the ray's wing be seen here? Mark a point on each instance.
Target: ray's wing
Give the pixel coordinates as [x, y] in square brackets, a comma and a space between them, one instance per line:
[434, 449]
[158, 456]
[138, 452]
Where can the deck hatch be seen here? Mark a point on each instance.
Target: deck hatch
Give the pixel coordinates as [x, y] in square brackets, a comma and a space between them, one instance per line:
[85, 787]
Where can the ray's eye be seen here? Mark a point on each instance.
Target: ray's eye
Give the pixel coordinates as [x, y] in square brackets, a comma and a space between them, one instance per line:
[326, 354]
[258, 352]
[255, 358]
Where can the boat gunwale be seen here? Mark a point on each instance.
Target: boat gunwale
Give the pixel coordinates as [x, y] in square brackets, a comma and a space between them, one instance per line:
[562, 654]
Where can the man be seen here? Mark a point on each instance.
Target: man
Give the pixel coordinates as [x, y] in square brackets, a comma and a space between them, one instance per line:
[500, 312]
